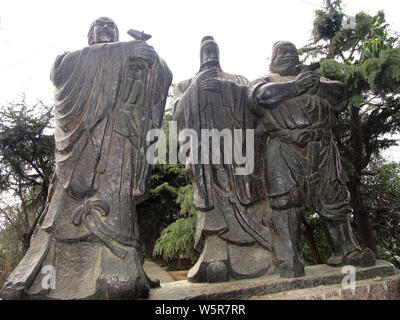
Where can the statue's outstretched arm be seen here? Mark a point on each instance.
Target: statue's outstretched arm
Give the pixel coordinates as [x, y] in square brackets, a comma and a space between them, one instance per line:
[269, 95]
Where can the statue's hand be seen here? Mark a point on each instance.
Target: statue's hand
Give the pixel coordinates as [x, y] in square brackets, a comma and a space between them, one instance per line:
[207, 80]
[305, 81]
[206, 74]
[313, 90]
[211, 84]
[145, 51]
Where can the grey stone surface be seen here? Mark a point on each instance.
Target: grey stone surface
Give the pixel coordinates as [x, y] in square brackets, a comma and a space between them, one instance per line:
[378, 288]
[318, 275]
[228, 213]
[298, 109]
[107, 97]
[16, 283]
[155, 271]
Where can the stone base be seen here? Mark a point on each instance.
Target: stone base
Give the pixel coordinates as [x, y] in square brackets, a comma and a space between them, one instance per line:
[318, 275]
[379, 288]
[78, 270]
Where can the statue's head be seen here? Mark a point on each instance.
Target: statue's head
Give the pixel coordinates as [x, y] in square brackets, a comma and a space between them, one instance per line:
[284, 58]
[103, 30]
[209, 53]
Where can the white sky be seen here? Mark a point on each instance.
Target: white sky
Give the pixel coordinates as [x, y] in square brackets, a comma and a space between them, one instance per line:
[33, 33]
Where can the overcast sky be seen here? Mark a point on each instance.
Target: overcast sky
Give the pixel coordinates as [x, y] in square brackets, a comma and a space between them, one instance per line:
[33, 33]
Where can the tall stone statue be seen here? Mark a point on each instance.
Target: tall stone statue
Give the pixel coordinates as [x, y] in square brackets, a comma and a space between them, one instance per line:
[230, 236]
[303, 169]
[107, 96]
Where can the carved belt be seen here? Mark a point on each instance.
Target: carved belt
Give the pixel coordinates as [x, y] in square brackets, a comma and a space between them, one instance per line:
[89, 214]
[301, 137]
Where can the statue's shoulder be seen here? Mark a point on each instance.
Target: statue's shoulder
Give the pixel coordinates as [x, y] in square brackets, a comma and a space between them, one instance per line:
[236, 78]
[56, 66]
[275, 77]
[165, 68]
[242, 79]
[178, 91]
[271, 77]
[69, 55]
[263, 79]
[182, 86]
[59, 59]
[64, 64]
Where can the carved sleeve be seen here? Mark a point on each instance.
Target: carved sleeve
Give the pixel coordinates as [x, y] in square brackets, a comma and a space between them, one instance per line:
[335, 92]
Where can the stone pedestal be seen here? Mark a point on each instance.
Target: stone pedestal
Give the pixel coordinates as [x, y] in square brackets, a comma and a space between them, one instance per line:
[274, 287]
[379, 288]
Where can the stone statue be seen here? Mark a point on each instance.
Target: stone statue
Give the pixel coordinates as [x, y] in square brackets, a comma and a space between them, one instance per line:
[107, 96]
[230, 236]
[303, 169]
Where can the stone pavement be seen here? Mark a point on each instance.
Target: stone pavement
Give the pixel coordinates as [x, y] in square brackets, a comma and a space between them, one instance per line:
[317, 275]
[153, 270]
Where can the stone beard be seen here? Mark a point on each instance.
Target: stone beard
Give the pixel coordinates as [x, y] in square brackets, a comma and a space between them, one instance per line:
[107, 97]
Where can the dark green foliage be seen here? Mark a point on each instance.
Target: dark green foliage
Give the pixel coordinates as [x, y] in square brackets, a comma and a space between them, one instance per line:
[26, 166]
[185, 199]
[26, 163]
[168, 218]
[381, 187]
[161, 208]
[11, 246]
[327, 22]
[319, 240]
[367, 59]
[177, 240]
[383, 72]
[377, 39]
[27, 147]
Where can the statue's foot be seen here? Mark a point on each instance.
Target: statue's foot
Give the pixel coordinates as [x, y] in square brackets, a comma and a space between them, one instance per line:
[122, 278]
[362, 258]
[217, 272]
[113, 288]
[153, 282]
[288, 270]
[212, 265]
[335, 260]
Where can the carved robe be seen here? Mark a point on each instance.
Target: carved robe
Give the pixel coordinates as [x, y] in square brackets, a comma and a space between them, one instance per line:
[302, 157]
[221, 196]
[106, 99]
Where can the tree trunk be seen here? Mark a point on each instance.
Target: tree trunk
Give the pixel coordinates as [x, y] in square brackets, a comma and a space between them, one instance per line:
[360, 213]
[361, 217]
[308, 232]
[26, 242]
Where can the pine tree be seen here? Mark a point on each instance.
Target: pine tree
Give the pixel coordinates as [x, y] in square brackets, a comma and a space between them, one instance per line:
[367, 59]
[26, 168]
[26, 165]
